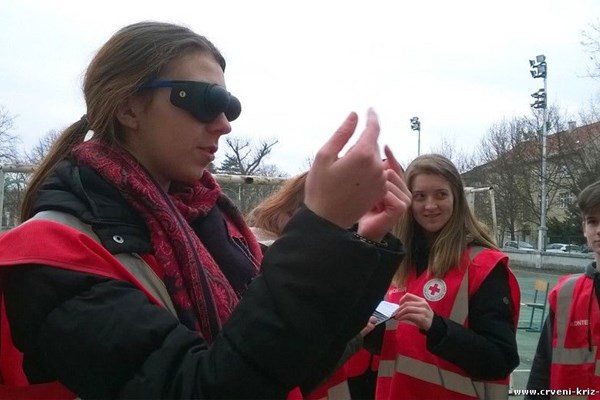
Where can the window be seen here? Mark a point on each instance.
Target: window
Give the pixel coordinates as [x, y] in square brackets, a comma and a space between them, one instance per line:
[565, 199]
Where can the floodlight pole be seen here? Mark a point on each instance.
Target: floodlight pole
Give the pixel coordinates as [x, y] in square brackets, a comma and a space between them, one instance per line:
[543, 228]
[540, 70]
[415, 125]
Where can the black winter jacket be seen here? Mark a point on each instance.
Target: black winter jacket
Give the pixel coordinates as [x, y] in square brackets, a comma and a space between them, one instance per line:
[103, 338]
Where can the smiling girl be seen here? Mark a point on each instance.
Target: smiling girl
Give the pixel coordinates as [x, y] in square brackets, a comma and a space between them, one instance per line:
[453, 336]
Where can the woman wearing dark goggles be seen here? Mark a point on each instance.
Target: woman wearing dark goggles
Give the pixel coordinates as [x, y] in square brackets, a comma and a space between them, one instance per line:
[143, 279]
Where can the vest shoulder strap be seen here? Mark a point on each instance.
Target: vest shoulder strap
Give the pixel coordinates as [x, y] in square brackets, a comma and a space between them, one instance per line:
[133, 262]
[475, 250]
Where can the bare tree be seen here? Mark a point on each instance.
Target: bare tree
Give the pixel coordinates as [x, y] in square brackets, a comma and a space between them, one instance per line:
[591, 45]
[498, 151]
[14, 183]
[8, 140]
[510, 156]
[578, 156]
[242, 157]
[462, 160]
[41, 148]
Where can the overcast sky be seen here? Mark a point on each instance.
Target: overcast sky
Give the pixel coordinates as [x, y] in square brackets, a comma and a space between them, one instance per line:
[299, 67]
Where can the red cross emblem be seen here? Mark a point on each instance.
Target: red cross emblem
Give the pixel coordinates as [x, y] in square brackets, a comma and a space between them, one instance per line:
[434, 289]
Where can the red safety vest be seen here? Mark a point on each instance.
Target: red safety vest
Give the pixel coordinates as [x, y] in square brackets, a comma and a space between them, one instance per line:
[38, 242]
[336, 387]
[360, 363]
[407, 370]
[575, 337]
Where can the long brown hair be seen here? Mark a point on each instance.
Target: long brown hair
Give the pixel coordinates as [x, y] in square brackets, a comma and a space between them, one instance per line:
[461, 229]
[133, 56]
[273, 212]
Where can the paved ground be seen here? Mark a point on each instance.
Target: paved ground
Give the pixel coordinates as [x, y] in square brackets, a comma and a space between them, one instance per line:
[526, 339]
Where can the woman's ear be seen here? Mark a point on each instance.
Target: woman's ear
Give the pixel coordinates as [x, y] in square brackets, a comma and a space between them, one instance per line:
[128, 113]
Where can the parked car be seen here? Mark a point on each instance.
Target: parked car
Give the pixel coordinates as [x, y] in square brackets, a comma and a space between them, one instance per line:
[563, 248]
[518, 245]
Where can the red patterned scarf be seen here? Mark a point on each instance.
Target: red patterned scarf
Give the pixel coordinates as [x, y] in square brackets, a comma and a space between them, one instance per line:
[202, 295]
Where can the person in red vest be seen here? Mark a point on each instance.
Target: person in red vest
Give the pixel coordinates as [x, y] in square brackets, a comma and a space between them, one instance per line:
[567, 359]
[453, 335]
[134, 277]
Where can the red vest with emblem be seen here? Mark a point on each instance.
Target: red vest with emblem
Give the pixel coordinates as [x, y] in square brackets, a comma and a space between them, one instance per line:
[21, 246]
[407, 370]
[575, 335]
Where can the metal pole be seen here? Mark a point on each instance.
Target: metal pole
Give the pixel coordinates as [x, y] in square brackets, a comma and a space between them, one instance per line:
[494, 219]
[470, 194]
[419, 141]
[543, 229]
[17, 167]
[2, 182]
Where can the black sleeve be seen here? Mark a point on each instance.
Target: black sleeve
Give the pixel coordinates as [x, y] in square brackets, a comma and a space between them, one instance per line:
[307, 286]
[374, 340]
[103, 339]
[539, 377]
[490, 337]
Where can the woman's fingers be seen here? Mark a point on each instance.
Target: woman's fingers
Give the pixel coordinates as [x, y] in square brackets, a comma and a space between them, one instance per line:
[331, 149]
[342, 190]
[415, 309]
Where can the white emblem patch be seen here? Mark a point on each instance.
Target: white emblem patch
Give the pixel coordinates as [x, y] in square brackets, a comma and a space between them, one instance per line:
[434, 289]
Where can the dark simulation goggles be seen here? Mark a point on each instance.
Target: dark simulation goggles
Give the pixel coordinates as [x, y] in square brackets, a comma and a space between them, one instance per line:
[205, 101]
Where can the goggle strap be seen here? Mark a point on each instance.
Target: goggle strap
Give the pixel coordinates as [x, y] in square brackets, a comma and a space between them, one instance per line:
[157, 84]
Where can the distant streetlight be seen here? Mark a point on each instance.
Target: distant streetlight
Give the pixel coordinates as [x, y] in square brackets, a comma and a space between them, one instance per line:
[415, 125]
[539, 99]
[539, 69]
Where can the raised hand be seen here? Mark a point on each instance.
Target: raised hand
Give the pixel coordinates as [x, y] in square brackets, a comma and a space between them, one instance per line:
[342, 190]
[378, 221]
[415, 309]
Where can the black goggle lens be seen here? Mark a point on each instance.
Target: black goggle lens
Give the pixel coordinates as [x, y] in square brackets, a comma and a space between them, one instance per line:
[205, 101]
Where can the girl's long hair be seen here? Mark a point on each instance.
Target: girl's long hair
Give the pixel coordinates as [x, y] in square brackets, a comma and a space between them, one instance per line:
[273, 212]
